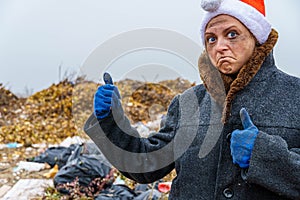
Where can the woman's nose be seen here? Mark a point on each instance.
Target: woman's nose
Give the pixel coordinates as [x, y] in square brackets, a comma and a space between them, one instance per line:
[221, 45]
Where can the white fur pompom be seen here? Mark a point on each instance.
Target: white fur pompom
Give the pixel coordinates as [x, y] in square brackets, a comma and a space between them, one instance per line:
[210, 5]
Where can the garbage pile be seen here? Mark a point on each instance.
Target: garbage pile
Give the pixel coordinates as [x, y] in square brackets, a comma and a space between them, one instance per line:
[145, 101]
[9, 103]
[52, 115]
[44, 117]
[84, 173]
[58, 112]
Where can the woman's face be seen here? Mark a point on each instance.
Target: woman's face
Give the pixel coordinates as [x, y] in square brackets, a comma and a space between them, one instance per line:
[229, 43]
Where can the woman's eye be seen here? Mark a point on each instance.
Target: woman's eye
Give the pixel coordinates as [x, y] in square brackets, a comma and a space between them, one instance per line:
[211, 40]
[232, 34]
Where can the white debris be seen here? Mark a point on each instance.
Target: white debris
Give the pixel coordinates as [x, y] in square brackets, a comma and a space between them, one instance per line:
[30, 166]
[26, 189]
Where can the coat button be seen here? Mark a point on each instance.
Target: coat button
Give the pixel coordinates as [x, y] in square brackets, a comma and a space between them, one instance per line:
[228, 193]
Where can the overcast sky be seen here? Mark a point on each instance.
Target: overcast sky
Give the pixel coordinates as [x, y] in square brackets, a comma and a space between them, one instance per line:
[38, 36]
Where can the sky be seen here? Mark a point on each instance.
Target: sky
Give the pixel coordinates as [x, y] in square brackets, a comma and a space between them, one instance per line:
[41, 42]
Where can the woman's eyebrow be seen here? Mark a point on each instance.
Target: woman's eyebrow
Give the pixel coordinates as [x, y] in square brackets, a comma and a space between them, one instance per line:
[225, 30]
[230, 27]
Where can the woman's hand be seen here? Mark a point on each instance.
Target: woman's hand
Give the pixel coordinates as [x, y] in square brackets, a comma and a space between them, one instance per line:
[242, 141]
[104, 96]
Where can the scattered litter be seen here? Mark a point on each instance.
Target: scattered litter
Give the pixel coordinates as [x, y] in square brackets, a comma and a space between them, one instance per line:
[3, 181]
[116, 192]
[164, 187]
[152, 194]
[85, 167]
[72, 140]
[4, 189]
[26, 189]
[55, 155]
[40, 145]
[62, 110]
[10, 145]
[30, 166]
[119, 181]
[142, 129]
[52, 172]
[4, 165]
[147, 129]
[13, 145]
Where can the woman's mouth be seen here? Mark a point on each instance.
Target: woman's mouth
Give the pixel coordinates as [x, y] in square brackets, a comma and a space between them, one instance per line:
[224, 59]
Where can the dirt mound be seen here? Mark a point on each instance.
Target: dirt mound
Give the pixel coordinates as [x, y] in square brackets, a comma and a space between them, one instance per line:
[58, 112]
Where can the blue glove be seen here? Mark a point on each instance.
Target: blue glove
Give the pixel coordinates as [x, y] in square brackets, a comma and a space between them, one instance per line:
[242, 141]
[104, 96]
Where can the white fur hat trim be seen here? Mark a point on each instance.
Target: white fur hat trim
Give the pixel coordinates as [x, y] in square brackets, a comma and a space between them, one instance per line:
[249, 16]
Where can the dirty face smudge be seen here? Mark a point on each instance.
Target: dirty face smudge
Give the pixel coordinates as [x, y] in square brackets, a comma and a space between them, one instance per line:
[229, 43]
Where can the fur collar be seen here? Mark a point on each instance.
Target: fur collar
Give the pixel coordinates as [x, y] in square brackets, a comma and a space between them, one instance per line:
[223, 88]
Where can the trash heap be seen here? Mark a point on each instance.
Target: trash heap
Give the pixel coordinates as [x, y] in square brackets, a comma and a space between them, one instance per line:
[82, 172]
[50, 116]
[44, 117]
[58, 112]
[145, 101]
[9, 105]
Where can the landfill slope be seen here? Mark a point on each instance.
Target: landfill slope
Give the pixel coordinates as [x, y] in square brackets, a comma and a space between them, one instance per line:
[28, 126]
[53, 114]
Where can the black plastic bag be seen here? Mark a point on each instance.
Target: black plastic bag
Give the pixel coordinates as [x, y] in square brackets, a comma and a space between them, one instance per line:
[152, 194]
[82, 167]
[116, 192]
[60, 155]
[55, 155]
[62, 158]
[122, 192]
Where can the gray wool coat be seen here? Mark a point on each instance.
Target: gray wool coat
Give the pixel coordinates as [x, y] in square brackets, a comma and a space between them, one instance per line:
[194, 142]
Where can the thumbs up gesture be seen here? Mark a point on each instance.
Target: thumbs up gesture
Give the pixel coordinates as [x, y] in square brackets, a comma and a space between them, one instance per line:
[104, 96]
[242, 141]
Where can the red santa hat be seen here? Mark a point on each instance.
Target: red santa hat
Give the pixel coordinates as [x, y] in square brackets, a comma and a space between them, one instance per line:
[250, 12]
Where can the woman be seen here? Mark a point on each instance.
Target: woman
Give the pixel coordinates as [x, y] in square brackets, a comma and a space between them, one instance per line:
[217, 149]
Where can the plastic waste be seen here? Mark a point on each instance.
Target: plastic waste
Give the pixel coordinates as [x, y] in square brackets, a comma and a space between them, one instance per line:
[142, 129]
[85, 167]
[164, 187]
[116, 192]
[30, 166]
